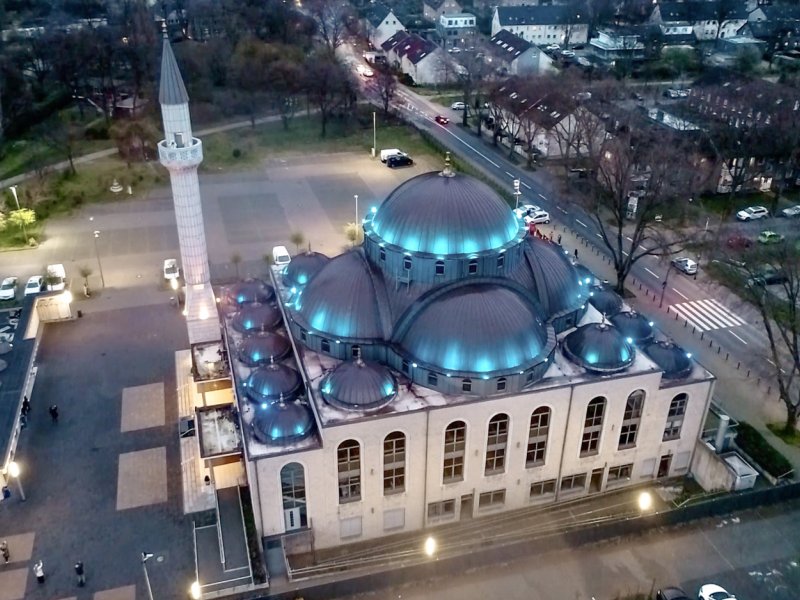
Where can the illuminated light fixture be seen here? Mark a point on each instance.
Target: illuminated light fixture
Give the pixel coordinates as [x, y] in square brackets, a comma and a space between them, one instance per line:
[645, 501]
[218, 301]
[414, 365]
[583, 306]
[203, 313]
[591, 293]
[293, 290]
[67, 296]
[264, 405]
[338, 341]
[629, 340]
[173, 283]
[185, 312]
[485, 377]
[650, 323]
[373, 210]
[688, 355]
[430, 546]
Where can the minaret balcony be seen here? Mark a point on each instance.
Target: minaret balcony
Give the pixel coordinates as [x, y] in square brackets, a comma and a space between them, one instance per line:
[172, 156]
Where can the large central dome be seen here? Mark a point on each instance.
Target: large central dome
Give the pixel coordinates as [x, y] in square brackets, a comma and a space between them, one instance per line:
[441, 215]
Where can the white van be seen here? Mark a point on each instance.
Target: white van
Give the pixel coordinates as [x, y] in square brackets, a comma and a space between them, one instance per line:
[385, 154]
[56, 278]
[280, 256]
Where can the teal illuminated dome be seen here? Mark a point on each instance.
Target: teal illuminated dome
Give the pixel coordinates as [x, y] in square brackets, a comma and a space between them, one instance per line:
[605, 301]
[340, 301]
[262, 349]
[303, 267]
[673, 360]
[445, 215]
[250, 291]
[282, 422]
[356, 385]
[598, 347]
[557, 284]
[270, 383]
[475, 329]
[634, 326]
[256, 317]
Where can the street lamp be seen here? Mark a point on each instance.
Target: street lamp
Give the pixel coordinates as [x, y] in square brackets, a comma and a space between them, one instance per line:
[97, 254]
[14, 471]
[356, 197]
[374, 135]
[13, 189]
[645, 501]
[517, 192]
[145, 557]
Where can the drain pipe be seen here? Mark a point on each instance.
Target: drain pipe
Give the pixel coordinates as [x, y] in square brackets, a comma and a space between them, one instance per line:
[564, 443]
[425, 482]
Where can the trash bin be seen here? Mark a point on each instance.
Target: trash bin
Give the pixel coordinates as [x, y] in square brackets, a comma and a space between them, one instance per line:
[80, 314]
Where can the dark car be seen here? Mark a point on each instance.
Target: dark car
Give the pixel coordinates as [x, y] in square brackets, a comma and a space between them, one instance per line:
[399, 161]
[672, 593]
[441, 119]
[739, 241]
[767, 276]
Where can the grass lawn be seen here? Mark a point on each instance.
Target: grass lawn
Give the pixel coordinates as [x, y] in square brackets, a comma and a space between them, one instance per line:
[448, 98]
[792, 438]
[25, 155]
[719, 203]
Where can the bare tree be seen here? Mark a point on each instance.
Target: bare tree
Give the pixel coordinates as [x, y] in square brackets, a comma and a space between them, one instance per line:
[328, 86]
[331, 18]
[387, 86]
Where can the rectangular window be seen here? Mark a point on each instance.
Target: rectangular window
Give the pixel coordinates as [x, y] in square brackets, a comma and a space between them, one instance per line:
[446, 509]
[404, 366]
[495, 499]
[593, 425]
[394, 463]
[394, 519]
[677, 410]
[382, 254]
[537, 438]
[303, 334]
[433, 379]
[496, 441]
[349, 470]
[454, 447]
[631, 420]
[501, 261]
[543, 488]
[573, 482]
[350, 528]
[620, 473]
[326, 346]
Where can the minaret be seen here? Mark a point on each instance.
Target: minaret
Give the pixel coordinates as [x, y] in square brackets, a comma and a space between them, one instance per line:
[181, 154]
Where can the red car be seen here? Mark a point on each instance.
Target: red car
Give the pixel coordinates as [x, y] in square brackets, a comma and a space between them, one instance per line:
[739, 241]
[441, 119]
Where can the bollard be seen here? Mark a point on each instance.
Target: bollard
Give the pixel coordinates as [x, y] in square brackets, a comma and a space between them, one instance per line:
[676, 315]
[719, 349]
[702, 334]
[710, 343]
[640, 287]
[738, 364]
[694, 330]
[685, 323]
[727, 354]
[769, 390]
[748, 373]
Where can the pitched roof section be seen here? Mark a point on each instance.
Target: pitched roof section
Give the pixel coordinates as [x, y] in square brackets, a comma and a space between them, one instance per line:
[377, 13]
[171, 90]
[700, 11]
[557, 14]
[415, 48]
[394, 40]
[507, 45]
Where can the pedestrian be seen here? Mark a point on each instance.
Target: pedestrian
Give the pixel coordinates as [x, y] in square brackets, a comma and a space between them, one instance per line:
[4, 551]
[38, 570]
[80, 573]
[559, 239]
[576, 254]
[26, 406]
[54, 413]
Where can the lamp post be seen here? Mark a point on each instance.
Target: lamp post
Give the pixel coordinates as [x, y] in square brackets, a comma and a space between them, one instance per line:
[517, 192]
[97, 254]
[356, 197]
[14, 471]
[145, 557]
[374, 134]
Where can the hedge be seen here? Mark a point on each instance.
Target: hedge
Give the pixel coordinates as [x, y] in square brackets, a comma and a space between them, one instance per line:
[753, 443]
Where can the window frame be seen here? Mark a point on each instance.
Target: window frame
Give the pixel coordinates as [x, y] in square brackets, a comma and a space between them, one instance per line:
[593, 426]
[545, 488]
[348, 470]
[492, 499]
[631, 420]
[496, 444]
[394, 463]
[454, 452]
[537, 438]
[675, 417]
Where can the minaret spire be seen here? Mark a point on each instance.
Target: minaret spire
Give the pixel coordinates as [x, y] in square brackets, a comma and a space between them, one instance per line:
[181, 153]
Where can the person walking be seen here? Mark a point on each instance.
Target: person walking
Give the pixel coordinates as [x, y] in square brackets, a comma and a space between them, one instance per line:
[80, 573]
[4, 551]
[54, 413]
[559, 239]
[38, 570]
[26, 406]
[576, 254]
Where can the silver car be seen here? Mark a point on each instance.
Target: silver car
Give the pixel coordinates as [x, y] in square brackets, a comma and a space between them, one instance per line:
[791, 212]
[8, 289]
[752, 212]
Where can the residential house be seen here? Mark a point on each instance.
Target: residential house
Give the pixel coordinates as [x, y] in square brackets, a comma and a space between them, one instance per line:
[518, 57]
[702, 17]
[433, 9]
[420, 59]
[457, 30]
[562, 24]
[380, 23]
[778, 26]
[612, 45]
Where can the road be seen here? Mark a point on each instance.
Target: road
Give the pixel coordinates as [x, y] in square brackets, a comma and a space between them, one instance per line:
[753, 555]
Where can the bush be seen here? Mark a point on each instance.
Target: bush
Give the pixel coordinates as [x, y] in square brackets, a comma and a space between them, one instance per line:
[236, 153]
[97, 130]
[754, 444]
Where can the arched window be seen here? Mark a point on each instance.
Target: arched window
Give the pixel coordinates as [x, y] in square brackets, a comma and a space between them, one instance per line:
[501, 384]
[677, 410]
[407, 263]
[394, 463]
[496, 441]
[537, 437]
[348, 457]
[440, 267]
[631, 420]
[472, 267]
[455, 441]
[293, 491]
[592, 427]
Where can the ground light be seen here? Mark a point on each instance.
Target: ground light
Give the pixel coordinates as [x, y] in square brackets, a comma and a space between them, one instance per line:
[430, 546]
[14, 471]
[173, 284]
[194, 590]
[645, 501]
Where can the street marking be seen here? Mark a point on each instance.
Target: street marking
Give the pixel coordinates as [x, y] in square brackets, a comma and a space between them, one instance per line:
[651, 273]
[475, 150]
[562, 210]
[630, 239]
[598, 235]
[738, 338]
[525, 184]
[510, 174]
[708, 314]
[679, 294]
[625, 253]
[579, 222]
[542, 197]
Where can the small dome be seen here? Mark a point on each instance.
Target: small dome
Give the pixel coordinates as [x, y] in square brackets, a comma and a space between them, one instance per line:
[673, 360]
[436, 214]
[282, 422]
[270, 383]
[606, 301]
[356, 385]
[263, 348]
[256, 317]
[558, 286]
[634, 326]
[598, 347]
[249, 292]
[341, 300]
[585, 275]
[303, 267]
[477, 328]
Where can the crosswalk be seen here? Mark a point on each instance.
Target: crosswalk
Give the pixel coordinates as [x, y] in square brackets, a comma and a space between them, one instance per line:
[707, 314]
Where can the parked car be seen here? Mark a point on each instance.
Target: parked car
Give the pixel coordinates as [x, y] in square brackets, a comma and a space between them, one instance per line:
[711, 591]
[526, 210]
[768, 276]
[441, 119]
[458, 106]
[56, 277]
[739, 241]
[791, 212]
[537, 217]
[552, 47]
[568, 54]
[752, 213]
[8, 289]
[455, 50]
[671, 593]
[685, 265]
[171, 269]
[769, 237]
[399, 161]
[367, 72]
[35, 285]
[385, 154]
[280, 256]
